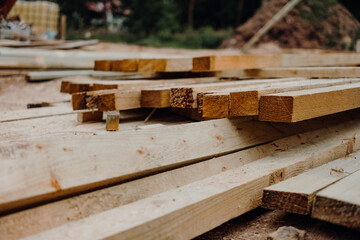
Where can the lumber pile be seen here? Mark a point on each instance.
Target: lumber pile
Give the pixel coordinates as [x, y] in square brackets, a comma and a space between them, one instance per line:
[147, 165]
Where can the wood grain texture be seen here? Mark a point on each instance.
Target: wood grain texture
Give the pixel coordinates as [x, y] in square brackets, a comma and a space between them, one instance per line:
[296, 195]
[102, 65]
[245, 101]
[301, 105]
[165, 65]
[220, 63]
[35, 220]
[193, 209]
[186, 96]
[81, 163]
[308, 72]
[340, 203]
[112, 121]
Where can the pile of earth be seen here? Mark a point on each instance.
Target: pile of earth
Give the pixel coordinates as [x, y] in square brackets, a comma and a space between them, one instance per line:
[322, 24]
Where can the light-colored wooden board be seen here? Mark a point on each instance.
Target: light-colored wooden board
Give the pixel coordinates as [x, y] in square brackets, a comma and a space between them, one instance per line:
[94, 116]
[8, 116]
[340, 203]
[165, 65]
[305, 104]
[36, 76]
[107, 100]
[125, 65]
[193, 209]
[245, 102]
[296, 195]
[186, 96]
[49, 167]
[308, 72]
[35, 220]
[221, 63]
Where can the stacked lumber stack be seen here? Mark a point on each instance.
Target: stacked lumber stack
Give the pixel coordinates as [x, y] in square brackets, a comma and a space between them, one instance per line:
[317, 85]
[161, 175]
[155, 182]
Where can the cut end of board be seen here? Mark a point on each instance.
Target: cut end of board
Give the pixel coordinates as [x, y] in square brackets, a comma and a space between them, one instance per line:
[181, 97]
[276, 109]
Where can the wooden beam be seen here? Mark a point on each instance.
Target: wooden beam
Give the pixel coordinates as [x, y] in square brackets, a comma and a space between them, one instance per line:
[196, 208]
[48, 167]
[301, 105]
[245, 102]
[222, 63]
[165, 65]
[340, 203]
[9, 116]
[112, 121]
[125, 65]
[102, 65]
[45, 217]
[89, 116]
[296, 195]
[109, 100]
[308, 72]
[90, 84]
[186, 96]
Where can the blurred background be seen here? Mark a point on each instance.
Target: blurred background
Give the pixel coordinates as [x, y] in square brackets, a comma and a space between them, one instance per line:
[326, 24]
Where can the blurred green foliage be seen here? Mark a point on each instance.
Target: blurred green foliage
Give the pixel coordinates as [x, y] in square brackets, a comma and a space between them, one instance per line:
[166, 22]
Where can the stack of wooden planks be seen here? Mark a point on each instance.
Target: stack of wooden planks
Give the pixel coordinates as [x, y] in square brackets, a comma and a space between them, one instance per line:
[79, 181]
[282, 132]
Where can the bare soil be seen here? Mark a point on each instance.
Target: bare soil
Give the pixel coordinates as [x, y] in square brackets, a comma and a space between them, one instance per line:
[335, 28]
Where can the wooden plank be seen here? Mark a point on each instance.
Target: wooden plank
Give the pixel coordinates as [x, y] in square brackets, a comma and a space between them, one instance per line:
[340, 203]
[94, 116]
[112, 121]
[296, 195]
[245, 102]
[165, 65]
[125, 65]
[49, 167]
[48, 75]
[107, 100]
[193, 209]
[308, 72]
[8, 116]
[114, 99]
[102, 65]
[301, 105]
[35, 220]
[186, 96]
[221, 63]
[91, 84]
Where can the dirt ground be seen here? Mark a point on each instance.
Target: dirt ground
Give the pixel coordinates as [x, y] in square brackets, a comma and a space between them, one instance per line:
[15, 93]
[257, 224]
[304, 27]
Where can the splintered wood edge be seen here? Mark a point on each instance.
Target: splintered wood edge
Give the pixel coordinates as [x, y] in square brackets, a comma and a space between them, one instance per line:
[276, 108]
[181, 97]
